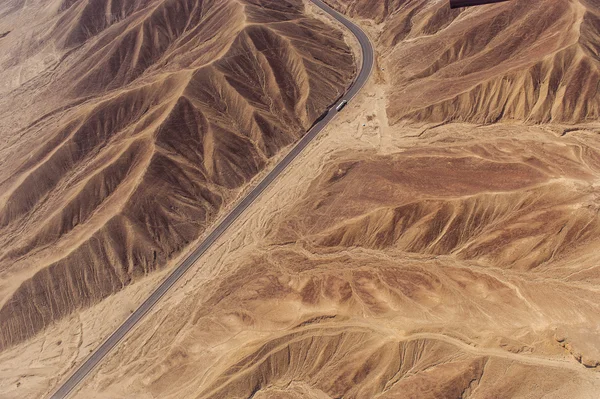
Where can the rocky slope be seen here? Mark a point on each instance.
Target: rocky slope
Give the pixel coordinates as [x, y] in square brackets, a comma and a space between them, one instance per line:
[504, 203]
[401, 256]
[407, 256]
[146, 120]
[481, 65]
[455, 270]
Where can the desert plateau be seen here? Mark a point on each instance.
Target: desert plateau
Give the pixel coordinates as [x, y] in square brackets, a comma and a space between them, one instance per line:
[439, 238]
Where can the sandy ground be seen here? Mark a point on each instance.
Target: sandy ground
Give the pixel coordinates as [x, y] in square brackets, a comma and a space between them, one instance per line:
[147, 363]
[361, 129]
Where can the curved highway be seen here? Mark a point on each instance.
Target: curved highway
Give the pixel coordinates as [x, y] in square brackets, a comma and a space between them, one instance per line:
[96, 357]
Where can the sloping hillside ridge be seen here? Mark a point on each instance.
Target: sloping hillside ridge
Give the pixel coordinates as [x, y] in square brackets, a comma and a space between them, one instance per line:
[533, 61]
[165, 110]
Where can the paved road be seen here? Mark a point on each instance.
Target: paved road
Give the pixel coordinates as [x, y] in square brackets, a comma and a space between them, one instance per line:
[95, 358]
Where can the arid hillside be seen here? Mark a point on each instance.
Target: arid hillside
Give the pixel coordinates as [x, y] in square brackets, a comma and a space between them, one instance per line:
[127, 126]
[440, 239]
[462, 269]
[440, 242]
[502, 203]
[527, 60]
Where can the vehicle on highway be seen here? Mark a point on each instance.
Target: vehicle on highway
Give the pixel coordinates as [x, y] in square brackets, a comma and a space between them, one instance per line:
[341, 105]
[469, 3]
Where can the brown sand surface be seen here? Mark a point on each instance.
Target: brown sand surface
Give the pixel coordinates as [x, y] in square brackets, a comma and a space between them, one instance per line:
[439, 240]
[128, 128]
[388, 286]
[159, 113]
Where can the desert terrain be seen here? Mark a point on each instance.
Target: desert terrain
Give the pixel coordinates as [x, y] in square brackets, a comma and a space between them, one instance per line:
[439, 240]
[128, 128]
[159, 113]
